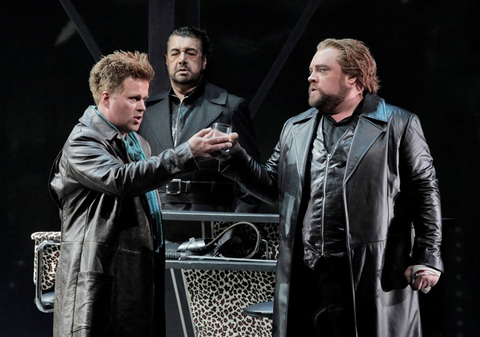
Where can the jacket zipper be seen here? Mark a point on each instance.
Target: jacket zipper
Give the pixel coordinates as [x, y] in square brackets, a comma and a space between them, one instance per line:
[177, 131]
[322, 247]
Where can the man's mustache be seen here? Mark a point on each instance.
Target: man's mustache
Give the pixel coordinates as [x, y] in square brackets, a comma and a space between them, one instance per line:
[182, 68]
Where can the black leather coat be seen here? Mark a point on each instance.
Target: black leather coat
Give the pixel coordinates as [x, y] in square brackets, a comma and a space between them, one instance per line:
[389, 185]
[104, 283]
[216, 105]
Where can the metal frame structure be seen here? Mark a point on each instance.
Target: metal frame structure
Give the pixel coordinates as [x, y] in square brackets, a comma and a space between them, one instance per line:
[162, 20]
[44, 300]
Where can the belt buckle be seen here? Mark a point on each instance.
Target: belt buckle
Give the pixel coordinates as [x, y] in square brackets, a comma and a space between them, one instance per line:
[175, 189]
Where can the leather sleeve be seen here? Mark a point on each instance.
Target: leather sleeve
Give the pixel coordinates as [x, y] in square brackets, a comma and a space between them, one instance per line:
[257, 179]
[419, 178]
[98, 165]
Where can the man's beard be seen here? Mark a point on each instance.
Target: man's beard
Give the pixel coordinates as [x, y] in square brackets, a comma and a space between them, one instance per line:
[194, 80]
[327, 102]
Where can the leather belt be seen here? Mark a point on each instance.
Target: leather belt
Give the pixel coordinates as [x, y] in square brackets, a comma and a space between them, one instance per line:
[178, 186]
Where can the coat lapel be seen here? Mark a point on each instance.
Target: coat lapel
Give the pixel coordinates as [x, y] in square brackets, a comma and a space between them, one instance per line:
[302, 135]
[159, 120]
[202, 117]
[207, 110]
[371, 124]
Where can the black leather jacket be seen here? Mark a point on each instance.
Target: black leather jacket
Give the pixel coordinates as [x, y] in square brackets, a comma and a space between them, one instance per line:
[214, 105]
[389, 184]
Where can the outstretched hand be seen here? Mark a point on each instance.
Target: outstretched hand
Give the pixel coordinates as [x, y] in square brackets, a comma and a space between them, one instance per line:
[203, 145]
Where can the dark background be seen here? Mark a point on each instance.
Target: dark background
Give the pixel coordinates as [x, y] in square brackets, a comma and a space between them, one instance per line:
[426, 52]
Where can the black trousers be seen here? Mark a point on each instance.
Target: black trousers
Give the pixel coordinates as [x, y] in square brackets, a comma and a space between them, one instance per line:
[322, 300]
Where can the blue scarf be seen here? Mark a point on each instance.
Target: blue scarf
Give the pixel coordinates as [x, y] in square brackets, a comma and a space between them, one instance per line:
[135, 152]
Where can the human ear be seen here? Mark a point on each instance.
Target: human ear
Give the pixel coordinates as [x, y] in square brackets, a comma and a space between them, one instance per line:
[352, 80]
[105, 99]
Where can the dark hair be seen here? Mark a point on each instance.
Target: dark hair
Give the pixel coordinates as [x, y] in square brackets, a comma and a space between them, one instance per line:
[355, 60]
[201, 35]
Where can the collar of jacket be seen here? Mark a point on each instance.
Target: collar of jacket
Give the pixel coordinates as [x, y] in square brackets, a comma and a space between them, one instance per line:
[213, 94]
[373, 121]
[93, 121]
[373, 108]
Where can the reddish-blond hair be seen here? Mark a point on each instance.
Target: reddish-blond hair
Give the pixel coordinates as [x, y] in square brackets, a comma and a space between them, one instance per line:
[356, 61]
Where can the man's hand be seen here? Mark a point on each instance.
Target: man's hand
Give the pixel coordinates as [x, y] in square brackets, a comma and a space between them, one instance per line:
[204, 146]
[421, 277]
[234, 141]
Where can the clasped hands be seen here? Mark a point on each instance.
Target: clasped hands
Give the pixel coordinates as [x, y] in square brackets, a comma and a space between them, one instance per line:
[203, 145]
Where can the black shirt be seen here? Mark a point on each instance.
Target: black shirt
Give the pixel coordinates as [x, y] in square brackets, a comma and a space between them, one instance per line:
[181, 110]
[333, 130]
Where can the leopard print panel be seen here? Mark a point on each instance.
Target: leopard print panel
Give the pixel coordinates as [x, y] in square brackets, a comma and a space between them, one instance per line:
[51, 254]
[217, 297]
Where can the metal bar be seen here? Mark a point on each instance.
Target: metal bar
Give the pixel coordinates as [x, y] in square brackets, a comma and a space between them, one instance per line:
[283, 56]
[82, 29]
[161, 21]
[220, 263]
[179, 302]
[39, 294]
[220, 216]
[163, 17]
[187, 13]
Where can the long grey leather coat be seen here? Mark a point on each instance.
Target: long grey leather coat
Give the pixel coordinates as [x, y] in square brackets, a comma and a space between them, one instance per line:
[104, 284]
[389, 185]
